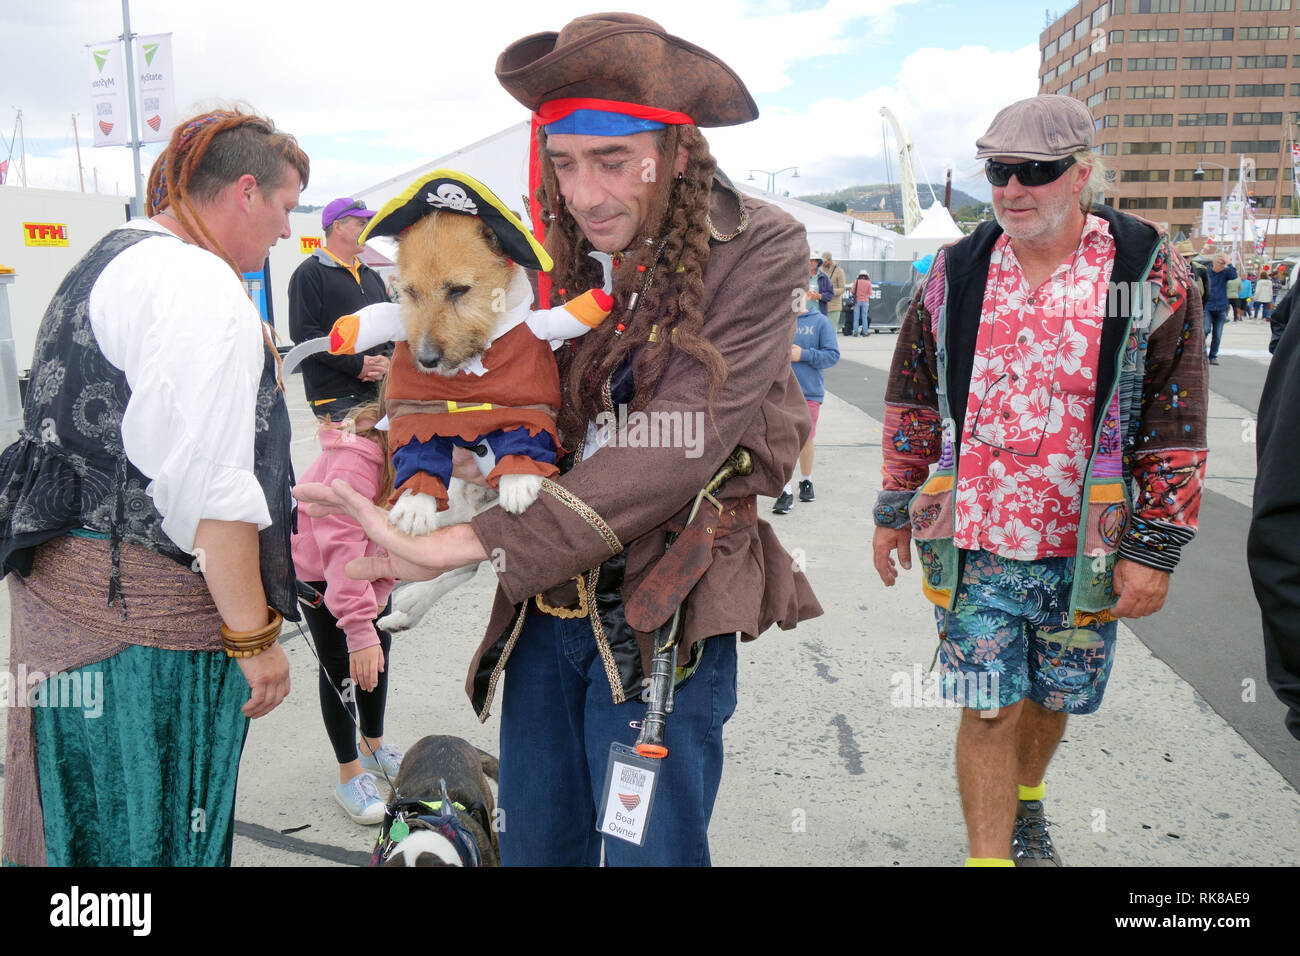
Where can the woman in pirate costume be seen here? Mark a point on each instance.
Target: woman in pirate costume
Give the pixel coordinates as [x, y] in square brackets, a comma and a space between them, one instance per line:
[145, 512]
[701, 330]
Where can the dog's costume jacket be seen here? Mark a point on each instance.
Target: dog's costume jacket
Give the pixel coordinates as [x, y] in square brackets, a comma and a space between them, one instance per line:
[507, 400]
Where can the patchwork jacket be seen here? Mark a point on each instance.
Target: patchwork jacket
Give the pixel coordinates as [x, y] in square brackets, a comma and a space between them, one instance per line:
[1142, 486]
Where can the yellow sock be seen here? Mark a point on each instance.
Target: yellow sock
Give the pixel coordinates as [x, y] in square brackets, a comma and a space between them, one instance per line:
[987, 861]
[1032, 793]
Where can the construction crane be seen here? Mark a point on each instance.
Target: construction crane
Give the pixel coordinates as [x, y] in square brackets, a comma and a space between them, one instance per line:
[906, 170]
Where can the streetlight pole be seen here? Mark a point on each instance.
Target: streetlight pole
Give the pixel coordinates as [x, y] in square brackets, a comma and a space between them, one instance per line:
[137, 202]
[771, 176]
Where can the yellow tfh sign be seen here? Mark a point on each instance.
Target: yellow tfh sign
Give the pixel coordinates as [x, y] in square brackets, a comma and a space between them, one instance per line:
[45, 233]
[310, 243]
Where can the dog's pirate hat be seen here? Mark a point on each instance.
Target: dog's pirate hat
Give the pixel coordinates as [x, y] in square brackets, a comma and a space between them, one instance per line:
[447, 190]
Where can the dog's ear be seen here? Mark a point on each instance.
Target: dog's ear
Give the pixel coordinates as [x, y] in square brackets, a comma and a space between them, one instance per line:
[491, 239]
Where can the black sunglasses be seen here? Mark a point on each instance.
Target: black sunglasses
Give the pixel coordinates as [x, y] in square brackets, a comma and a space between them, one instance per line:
[1034, 172]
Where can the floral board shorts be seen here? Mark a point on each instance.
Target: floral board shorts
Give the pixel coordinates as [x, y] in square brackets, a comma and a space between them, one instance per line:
[1008, 638]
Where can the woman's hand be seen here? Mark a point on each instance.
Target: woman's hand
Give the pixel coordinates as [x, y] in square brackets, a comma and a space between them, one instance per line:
[408, 558]
[267, 674]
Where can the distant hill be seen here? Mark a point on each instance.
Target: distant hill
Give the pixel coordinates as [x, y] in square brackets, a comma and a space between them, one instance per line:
[882, 196]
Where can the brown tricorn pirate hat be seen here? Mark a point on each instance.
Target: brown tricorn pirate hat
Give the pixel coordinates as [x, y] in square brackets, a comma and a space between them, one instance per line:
[629, 59]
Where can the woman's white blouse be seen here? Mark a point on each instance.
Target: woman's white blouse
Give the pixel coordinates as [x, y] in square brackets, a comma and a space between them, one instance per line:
[178, 322]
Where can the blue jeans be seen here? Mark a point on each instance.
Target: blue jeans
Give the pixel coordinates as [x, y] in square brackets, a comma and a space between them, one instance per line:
[861, 321]
[557, 723]
[1214, 319]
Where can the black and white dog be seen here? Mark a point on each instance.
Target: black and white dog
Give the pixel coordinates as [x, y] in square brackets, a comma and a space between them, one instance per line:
[442, 813]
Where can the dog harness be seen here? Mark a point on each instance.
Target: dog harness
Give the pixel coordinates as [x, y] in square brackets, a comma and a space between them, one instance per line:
[403, 816]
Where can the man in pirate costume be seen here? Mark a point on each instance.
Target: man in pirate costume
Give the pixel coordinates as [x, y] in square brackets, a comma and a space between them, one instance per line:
[702, 322]
[145, 509]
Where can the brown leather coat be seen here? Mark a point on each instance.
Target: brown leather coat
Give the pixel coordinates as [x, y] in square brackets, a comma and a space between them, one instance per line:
[622, 501]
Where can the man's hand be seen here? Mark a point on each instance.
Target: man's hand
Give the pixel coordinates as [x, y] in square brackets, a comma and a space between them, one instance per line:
[408, 559]
[366, 665]
[268, 681]
[1142, 590]
[795, 353]
[465, 467]
[886, 540]
[373, 368]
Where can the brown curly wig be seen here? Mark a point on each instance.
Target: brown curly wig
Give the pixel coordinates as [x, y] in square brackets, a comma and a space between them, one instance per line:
[671, 309]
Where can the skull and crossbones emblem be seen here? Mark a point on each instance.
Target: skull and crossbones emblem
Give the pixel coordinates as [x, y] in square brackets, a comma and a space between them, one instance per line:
[450, 196]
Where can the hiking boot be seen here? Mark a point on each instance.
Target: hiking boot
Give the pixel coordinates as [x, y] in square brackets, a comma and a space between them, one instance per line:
[1030, 843]
[806, 491]
[783, 504]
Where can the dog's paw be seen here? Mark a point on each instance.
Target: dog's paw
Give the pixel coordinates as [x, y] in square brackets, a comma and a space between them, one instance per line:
[413, 600]
[519, 491]
[396, 622]
[414, 514]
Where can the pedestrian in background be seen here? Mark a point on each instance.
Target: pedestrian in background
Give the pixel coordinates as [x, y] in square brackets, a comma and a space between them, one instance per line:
[814, 350]
[861, 303]
[1216, 302]
[1264, 295]
[835, 307]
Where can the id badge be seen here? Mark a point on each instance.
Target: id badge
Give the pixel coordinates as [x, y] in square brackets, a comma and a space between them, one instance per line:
[629, 791]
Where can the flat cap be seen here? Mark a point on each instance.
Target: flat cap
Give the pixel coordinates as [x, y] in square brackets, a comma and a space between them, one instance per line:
[1043, 127]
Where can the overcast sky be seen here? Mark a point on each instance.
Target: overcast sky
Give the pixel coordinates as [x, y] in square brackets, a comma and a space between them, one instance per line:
[374, 89]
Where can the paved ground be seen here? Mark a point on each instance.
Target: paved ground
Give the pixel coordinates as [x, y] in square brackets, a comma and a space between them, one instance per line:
[822, 768]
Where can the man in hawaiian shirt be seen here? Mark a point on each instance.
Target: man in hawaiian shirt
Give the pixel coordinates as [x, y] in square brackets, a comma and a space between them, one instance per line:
[1066, 414]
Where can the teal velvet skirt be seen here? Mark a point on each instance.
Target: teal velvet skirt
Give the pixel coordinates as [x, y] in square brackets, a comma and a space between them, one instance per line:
[143, 772]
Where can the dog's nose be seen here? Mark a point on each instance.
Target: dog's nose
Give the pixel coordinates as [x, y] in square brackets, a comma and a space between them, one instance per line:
[427, 356]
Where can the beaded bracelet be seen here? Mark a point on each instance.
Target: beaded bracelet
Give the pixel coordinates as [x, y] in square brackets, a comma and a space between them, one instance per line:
[251, 643]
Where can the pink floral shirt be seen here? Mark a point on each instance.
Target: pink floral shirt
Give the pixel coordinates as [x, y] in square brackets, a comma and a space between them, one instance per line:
[1026, 436]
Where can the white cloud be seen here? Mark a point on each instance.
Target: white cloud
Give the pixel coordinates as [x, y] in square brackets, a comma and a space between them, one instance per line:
[373, 90]
[945, 98]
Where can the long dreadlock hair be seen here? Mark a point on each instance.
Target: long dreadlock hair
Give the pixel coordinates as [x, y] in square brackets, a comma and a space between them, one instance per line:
[206, 153]
[211, 150]
[669, 315]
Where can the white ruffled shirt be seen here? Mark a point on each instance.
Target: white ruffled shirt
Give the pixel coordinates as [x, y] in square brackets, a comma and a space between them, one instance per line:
[178, 322]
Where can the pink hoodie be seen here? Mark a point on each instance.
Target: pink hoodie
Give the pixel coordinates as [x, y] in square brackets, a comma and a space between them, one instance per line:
[323, 546]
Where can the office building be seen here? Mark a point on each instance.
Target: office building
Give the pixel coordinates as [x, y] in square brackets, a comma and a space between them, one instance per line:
[1181, 90]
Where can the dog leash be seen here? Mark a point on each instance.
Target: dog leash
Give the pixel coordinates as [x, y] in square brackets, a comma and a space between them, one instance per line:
[342, 700]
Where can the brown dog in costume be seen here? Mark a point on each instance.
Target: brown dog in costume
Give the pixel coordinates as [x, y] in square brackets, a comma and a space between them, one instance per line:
[473, 366]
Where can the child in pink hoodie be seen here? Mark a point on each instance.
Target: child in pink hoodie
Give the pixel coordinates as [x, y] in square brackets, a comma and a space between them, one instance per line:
[352, 649]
